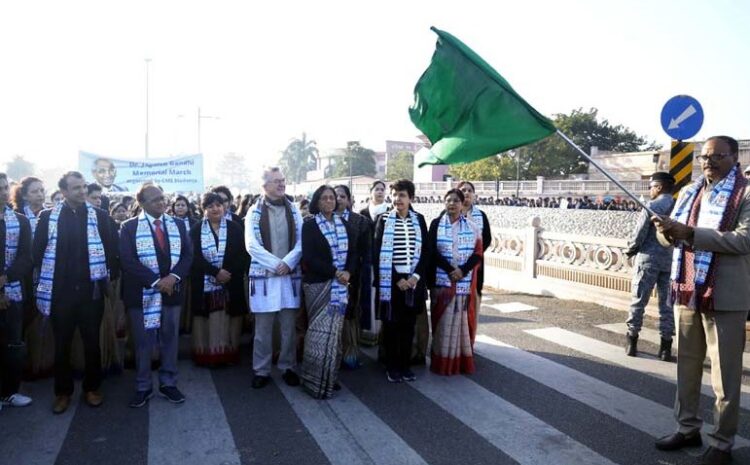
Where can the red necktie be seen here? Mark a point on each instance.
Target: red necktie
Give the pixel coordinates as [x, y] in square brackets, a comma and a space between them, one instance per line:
[160, 236]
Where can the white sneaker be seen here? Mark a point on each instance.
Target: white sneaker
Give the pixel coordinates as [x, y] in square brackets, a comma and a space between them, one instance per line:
[16, 400]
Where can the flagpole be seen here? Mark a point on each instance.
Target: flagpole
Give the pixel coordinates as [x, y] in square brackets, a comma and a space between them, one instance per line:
[606, 173]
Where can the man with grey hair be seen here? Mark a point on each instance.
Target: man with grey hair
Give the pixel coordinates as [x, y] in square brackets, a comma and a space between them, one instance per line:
[273, 236]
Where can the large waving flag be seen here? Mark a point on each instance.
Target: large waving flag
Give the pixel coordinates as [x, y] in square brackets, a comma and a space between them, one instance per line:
[468, 110]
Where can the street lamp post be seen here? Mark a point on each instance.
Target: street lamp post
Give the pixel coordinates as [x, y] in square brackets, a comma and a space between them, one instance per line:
[517, 156]
[200, 117]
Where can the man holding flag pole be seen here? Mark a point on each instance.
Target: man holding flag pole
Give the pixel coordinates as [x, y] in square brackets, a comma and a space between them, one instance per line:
[469, 112]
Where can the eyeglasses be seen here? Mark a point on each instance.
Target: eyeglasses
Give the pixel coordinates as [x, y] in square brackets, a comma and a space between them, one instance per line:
[278, 182]
[714, 157]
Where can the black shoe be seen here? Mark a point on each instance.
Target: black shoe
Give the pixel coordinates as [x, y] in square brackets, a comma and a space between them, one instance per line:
[260, 381]
[172, 394]
[677, 441]
[393, 377]
[336, 387]
[631, 345]
[290, 378]
[140, 398]
[408, 375]
[665, 350]
[714, 456]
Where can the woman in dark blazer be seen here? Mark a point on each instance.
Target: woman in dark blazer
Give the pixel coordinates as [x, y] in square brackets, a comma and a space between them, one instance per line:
[328, 258]
[400, 258]
[217, 312]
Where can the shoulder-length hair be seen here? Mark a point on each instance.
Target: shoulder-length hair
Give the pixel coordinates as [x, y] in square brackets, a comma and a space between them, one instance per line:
[21, 189]
[314, 208]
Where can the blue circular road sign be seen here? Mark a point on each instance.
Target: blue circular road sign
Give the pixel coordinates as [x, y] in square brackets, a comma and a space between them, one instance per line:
[682, 117]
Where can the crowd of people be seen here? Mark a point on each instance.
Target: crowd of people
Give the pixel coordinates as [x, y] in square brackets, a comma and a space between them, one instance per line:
[585, 202]
[95, 281]
[83, 267]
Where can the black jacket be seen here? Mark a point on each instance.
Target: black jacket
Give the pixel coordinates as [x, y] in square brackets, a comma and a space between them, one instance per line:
[317, 260]
[439, 261]
[72, 283]
[20, 269]
[236, 261]
[424, 258]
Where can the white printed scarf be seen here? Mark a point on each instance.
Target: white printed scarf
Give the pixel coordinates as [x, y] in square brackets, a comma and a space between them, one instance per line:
[386, 253]
[476, 216]
[33, 219]
[467, 237]
[257, 272]
[145, 245]
[12, 236]
[338, 241]
[213, 254]
[97, 257]
[709, 217]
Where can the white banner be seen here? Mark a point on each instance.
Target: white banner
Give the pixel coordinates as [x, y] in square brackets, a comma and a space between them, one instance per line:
[175, 174]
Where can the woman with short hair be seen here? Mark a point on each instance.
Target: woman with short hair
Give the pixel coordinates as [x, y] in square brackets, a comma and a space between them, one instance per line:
[400, 263]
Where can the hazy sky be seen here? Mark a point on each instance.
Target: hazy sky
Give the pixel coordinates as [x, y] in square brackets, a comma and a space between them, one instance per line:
[73, 72]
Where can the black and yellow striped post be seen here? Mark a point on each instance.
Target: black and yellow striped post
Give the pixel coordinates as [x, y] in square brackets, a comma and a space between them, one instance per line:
[681, 163]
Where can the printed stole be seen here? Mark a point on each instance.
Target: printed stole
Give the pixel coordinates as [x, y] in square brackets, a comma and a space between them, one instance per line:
[12, 236]
[385, 264]
[212, 253]
[33, 219]
[476, 217]
[718, 212]
[467, 237]
[338, 241]
[145, 245]
[257, 272]
[97, 257]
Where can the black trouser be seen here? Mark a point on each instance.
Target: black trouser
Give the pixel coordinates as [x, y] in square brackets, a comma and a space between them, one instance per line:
[12, 349]
[398, 329]
[87, 317]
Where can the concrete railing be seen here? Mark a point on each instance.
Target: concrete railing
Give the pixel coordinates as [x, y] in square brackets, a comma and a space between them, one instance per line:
[539, 188]
[569, 266]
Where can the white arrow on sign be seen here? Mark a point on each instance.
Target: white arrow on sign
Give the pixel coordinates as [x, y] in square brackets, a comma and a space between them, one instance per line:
[674, 123]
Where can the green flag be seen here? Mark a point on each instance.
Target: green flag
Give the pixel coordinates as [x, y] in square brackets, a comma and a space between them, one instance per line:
[467, 110]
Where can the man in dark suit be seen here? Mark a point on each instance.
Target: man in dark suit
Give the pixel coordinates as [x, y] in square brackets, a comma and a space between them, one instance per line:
[156, 256]
[76, 257]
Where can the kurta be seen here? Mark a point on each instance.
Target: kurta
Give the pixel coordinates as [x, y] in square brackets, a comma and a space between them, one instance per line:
[276, 292]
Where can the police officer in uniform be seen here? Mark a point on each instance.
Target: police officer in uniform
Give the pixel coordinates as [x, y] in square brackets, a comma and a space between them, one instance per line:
[653, 264]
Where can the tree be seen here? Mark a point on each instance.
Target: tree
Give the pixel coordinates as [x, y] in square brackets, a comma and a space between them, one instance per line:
[19, 167]
[362, 161]
[401, 166]
[299, 157]
[553, 157]
[486, 169]
[233, 171]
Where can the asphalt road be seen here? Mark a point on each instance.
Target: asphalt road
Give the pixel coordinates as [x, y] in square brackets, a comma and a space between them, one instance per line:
[552, 387]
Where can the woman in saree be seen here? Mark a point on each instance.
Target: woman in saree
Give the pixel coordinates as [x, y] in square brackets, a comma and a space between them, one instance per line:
[456, 243]
[328, 257]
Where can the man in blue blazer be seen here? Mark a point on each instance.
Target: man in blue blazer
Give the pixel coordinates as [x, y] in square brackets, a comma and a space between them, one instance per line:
[156, 255]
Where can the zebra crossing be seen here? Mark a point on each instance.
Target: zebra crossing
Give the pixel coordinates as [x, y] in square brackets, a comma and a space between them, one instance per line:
[541, 395]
